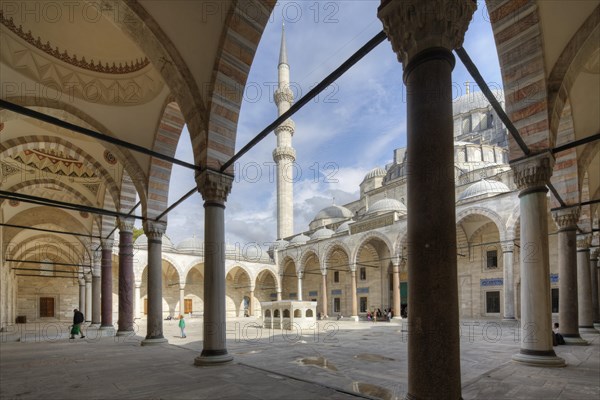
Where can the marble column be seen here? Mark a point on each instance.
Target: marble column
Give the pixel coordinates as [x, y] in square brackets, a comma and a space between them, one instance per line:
[154, 322]
[531, 176]
[396, 307]
[300, 276]
[88, 298]
[126, 326]
[509, 286]
[96, 296]
[181, 299]
[279, 295]
[82, 295]
[214, 187]
[584, 294]
[568, 317]
[354, 298]
[106, 284]
[137, 300]
[423, 34]
[594, 281]
[324, 305]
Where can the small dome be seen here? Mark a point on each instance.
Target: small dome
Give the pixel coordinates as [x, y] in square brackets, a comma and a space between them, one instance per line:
[334, 212]
[142, 243]
[279, 244]
[322, 233]
[387, 205]
[484, 187]
[167, 244]
[374, 173]
[345, 227]
[300, 239]
[191, 245]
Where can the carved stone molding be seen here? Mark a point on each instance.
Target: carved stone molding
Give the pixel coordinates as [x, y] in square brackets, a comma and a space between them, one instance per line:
[283, 94]
[214, 186]
[126, 224]
[508, 247]
[415, 25]
[284, 153]
[154, 230]
[567, 218]
[534, 171]
[107, 243]
[286, 126]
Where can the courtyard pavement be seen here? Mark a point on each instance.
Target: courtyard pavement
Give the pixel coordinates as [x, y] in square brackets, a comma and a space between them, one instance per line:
[339, 360]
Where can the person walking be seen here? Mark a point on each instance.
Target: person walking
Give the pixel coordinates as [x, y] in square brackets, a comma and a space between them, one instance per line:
[182, 326]
[78, 319]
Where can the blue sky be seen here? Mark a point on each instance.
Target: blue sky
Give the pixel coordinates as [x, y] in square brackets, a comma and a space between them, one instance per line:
[351, 128]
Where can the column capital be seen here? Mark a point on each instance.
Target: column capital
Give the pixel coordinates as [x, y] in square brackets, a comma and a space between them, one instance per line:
[583, 242]
[508, 247]
[533, 172]
[300, 274]
[107, 244]
[154, 229]
[214, 186]
[126, 224]
[415, 25]
[567, 218]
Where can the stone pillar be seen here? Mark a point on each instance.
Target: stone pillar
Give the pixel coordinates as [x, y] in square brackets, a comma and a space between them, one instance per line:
[96, 299]
[251, 303]
[396, 307]
[82, 295]
[137, 300]
[106, 284]
[181, 299]
[509, 286]
[568, 318]
[324, 304]
[214, 188]
[278, 295]
[586, 316]
[126, 327]
[354, 299]
[88, 298]
[531, 176]
[594, 281]
[300, 276]
[423, 35]
[154, 332]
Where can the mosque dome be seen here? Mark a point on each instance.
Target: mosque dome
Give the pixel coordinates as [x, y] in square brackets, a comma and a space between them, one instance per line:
[278, 245]
[300, 239]
[375, 173]
[483, 188]
[167, 245]
[345, 227]
[474, 100]
[330, 215]
[322, 233]
[191, 245]
[387, 205]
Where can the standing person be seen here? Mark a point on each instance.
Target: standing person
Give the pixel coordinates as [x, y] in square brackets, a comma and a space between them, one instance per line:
[78, 319]
[182, 326]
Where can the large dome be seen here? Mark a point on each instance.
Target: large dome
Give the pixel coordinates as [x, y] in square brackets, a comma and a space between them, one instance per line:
[475, 100]
[334, 212]
[387, 205]
[374, 173]
[191, 245]
[483, 188]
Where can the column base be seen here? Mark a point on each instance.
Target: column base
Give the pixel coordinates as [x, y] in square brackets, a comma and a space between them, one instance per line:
[125, 333]
[106, 327]
[575, 341]
[509, 319]
[587, 329]
[597, 325]
[154, 341]
[94, 325]
[397, 319]
[209, 360]
[550, 360]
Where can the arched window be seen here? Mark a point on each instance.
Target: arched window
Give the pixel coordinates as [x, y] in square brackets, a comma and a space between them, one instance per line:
[286, 313]
[276, 314]
[268, 314]
[309, 313]
[297, 314]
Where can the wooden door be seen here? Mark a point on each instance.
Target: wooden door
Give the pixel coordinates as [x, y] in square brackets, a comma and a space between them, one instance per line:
[46, 307]
[187, 306]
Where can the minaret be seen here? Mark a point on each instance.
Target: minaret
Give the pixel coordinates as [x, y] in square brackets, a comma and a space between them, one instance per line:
[284, 154]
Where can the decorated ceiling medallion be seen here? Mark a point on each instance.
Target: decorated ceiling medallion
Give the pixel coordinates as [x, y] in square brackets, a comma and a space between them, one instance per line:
[84, 214]
[129, 67]
[109, 157]
[13, 203]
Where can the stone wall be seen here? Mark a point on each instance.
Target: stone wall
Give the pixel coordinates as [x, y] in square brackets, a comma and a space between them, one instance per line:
[64, 291]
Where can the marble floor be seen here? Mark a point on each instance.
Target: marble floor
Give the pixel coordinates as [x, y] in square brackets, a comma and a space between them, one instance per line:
[339, 360]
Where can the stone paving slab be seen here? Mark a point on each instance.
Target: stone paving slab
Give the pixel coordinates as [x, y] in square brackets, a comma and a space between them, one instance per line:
[339, 360]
